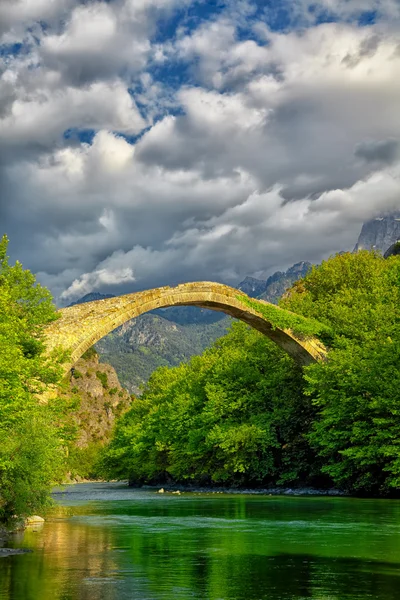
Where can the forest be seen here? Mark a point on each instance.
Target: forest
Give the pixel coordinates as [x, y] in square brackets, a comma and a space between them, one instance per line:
[241, 414]
[244, 413]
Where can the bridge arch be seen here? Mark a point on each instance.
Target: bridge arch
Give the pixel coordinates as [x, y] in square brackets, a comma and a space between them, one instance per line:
[82, 325]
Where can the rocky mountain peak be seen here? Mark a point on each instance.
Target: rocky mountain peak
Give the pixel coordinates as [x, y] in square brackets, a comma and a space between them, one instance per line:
[379, 233]
[252, 287]
[300, 269]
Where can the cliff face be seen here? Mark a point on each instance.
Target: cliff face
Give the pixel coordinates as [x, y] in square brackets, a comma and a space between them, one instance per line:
[101, 400]
[379, 233]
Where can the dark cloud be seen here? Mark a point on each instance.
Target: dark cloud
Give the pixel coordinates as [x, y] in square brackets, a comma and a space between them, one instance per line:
[367, 49]
[378, 151]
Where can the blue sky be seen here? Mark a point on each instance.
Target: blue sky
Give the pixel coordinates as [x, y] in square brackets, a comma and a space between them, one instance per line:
[147, 142]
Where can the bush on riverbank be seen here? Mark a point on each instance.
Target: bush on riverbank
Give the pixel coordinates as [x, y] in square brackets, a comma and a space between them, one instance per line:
[357, 391]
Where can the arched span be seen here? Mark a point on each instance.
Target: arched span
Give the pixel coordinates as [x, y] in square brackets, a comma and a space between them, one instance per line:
[83, 325]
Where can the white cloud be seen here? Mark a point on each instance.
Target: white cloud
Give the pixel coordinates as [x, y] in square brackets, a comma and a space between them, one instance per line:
[40, 118]
[256, 235]
[97, 43]
[99, 278]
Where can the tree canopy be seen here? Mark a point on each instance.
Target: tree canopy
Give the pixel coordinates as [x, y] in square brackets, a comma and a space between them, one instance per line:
[357, 391]
[235, 414]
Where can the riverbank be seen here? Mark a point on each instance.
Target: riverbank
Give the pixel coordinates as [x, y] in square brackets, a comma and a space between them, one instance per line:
[6, 535]
[192, 488]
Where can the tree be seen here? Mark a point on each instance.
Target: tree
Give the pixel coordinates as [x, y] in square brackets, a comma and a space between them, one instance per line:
[357, 391]
[30, 452]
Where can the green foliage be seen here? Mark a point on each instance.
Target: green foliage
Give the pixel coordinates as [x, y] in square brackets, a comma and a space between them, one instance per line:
[30, 446]
[353, 294]
[242, 412]
[90, 353]
[103, 379]
[284, 319]
[82, 462]
[31, 459]
[357, 392]
[77, 374]
[235, 415]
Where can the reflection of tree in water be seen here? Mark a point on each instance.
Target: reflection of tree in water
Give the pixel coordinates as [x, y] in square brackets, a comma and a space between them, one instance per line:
[66, 554]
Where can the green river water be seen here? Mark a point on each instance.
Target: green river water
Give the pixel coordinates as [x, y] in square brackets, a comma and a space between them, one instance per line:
[117, 543]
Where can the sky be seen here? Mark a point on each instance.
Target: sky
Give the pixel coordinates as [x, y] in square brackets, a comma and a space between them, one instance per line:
[152, 142]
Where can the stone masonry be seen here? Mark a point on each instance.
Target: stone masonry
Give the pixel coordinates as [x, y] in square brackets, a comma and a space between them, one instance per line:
[82, 325]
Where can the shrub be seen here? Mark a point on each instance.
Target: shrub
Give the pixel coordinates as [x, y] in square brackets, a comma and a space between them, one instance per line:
[103, 379]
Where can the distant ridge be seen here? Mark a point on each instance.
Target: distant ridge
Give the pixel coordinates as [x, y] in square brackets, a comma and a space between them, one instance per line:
[91, 297]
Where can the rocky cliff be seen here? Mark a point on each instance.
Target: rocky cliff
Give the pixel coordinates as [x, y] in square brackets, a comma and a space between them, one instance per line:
[100, 400]
[379, 233]
[252, 287]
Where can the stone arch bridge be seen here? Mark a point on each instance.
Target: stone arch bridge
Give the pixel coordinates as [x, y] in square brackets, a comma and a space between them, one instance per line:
[82, 325]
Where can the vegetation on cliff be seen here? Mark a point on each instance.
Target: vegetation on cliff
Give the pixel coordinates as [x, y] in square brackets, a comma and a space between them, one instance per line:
[98, 400]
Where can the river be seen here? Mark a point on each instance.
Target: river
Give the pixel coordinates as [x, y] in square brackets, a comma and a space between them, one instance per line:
[119, 543]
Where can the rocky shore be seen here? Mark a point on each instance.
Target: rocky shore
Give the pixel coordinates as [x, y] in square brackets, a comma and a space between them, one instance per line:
[273, 491]
[7, 534]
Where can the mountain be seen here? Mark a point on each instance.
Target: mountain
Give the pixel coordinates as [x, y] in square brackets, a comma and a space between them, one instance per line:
[189, 315]
[252, 287]
[393, 250]
[379, 233]
[150, 341]
[277, 284]
[91, 297]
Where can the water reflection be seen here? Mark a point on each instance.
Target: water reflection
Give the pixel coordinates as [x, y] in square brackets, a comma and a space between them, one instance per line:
[148, 547]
